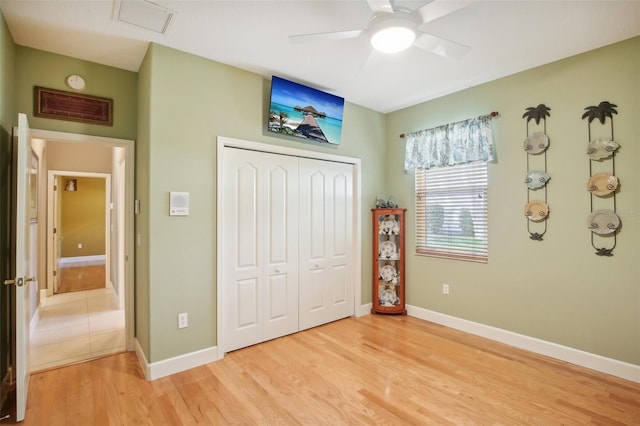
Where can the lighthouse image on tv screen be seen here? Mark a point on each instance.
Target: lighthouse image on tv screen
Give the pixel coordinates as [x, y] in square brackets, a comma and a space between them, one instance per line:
[304, 112]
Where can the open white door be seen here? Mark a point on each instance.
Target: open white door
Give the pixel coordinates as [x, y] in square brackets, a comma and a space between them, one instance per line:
[23, 276]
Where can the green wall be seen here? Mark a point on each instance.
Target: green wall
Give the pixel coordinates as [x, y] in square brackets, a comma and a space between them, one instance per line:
[40, 68]
[192, 101]
[557, 289]
[8, 116]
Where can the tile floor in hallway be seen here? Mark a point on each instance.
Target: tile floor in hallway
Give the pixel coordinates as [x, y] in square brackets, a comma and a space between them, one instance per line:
[75, 327]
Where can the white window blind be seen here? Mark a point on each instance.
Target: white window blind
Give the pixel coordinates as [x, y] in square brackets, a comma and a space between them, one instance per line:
[451, 212]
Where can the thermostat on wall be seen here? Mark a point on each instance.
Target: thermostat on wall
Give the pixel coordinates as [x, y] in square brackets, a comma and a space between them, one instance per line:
[178, 204]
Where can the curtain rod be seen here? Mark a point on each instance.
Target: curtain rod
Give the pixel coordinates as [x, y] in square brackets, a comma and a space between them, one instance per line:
[493, 114]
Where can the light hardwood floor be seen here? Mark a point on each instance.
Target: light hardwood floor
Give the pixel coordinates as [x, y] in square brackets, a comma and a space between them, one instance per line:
[81, 278]
[382, 370]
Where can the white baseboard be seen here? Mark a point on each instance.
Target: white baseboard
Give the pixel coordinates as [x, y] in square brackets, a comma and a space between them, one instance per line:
[564, 353]
[98, 259]
[363, 310]
[177, 364]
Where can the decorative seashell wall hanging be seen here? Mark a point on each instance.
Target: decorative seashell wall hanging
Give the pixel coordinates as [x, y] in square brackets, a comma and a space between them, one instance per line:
[604, 224]
[536, 145]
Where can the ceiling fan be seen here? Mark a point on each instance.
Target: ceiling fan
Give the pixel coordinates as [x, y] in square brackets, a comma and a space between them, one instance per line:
[392, 29]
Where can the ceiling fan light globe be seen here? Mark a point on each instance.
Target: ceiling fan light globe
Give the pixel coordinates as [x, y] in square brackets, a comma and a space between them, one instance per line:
[391, 33]
[393, 39]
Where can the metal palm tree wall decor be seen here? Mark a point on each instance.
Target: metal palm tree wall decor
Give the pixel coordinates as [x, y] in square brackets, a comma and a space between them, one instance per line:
[604, 223]
[536, 144]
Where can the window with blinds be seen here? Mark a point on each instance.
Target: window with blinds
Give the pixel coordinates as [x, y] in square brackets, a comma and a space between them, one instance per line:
[451, 212]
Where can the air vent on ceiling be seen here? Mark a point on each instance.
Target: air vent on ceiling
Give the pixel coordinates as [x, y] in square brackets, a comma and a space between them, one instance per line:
[144, 14]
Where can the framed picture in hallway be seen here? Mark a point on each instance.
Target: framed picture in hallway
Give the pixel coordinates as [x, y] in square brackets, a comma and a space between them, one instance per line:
[304, 112]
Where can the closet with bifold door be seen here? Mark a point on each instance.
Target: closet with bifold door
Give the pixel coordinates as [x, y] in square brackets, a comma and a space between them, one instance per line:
[287, 245]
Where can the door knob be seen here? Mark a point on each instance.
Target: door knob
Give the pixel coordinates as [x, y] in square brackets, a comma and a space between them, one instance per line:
[19, 282]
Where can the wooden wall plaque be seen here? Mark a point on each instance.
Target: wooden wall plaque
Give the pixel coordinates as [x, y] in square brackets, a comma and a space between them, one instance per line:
[61, 105]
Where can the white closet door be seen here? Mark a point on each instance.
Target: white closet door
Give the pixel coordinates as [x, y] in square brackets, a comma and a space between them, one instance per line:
[260, 240]
[326, 242]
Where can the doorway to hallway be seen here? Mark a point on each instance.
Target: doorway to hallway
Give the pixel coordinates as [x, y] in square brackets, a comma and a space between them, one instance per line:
[85, 310]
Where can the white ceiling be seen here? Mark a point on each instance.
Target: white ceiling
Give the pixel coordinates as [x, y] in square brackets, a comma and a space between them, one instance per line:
[505, 36]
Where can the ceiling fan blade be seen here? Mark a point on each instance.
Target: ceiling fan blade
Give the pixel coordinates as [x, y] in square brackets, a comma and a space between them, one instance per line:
[382, 6]
[437, 9]
[336, 35]
[441, 46]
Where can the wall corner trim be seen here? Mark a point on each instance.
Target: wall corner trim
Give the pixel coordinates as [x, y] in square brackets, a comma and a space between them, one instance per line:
[542, 347]
[167, 367]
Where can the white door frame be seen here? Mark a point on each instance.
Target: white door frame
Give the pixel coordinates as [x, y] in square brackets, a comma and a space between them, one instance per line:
[225, 142]
[51, 175]
[129, 254]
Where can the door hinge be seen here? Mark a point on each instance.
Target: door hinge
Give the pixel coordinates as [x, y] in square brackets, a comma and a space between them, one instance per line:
[55, 273]
[55, 230]
[55, 187]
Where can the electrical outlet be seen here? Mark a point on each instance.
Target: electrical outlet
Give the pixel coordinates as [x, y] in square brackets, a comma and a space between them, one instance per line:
[445, 288]
[79, 245]
[183, 320]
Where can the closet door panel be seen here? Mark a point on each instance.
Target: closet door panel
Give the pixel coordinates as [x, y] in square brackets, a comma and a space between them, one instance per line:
[278, 215]
[314, 189]
[341, 296]
[241, 276]
[247, 297]
[341, 285]
[341, 224]
[259, 258]
[277, 297]
[281, 245]
[326, 272]
[315, 289]
[246, 229]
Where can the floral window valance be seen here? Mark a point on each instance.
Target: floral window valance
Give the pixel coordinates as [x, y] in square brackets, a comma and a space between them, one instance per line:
[455, 143]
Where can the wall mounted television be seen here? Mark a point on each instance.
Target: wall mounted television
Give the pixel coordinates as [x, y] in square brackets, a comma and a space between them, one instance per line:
[301, 111]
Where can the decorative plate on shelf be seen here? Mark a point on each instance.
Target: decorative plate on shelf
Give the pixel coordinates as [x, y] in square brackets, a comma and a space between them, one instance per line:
[389, 226]
[388, 250]
[603, 222]
[536, 210]
[536, 143]
[387, 297]
[388, 273]
[536, 179]
[602, 184]
[601, 148]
